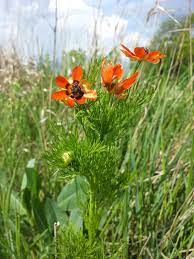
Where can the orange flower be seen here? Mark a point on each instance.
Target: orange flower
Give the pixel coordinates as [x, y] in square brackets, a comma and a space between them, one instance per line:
[110, 79]
[141, 53]
[75, 90]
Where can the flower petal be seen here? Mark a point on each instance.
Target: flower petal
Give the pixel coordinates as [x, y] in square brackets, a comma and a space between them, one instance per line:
[91, 95]
[86, 85]
[59, 96]
[61, 81]
[107, 72]
[127, 52]
[155, 57]
[140, 52]
[156, 54]
[69, 102]
[117, 71]
[81, 100]
[153, 61]
[77, 73]
[127, 83]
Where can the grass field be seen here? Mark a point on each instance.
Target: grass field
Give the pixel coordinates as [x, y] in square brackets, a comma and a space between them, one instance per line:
[109, 179]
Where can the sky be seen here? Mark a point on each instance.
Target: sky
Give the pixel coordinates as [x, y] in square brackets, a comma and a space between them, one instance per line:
[27, 25]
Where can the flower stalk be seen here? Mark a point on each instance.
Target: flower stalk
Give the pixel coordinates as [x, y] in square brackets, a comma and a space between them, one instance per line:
[92, 218]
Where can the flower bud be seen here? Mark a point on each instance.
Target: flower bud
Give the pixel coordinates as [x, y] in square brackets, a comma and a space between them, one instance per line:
[67, 157]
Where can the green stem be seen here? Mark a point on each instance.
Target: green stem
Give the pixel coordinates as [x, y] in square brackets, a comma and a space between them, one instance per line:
[135, 68]
[126, 223]
[92, 218]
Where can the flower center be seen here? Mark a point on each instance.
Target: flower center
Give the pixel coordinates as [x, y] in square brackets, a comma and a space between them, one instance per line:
[147, 51]
[76, 91]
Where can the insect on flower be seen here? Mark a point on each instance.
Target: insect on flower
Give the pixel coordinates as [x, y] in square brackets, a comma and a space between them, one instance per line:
[110, 79]
[142, 54]
[75, 90]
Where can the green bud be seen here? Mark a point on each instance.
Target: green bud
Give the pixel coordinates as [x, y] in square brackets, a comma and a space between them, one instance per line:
[67, 157]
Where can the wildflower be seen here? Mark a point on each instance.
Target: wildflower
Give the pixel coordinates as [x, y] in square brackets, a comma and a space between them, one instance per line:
[141, 54]
[110, 79]
[75, 90]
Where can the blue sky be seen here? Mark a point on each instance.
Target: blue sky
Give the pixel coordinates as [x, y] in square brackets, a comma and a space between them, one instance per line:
[26, 24]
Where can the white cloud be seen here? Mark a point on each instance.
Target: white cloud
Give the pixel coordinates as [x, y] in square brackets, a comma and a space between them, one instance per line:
[77, 25]
[136, 39]
[14, 25]
[63, 5]
[28, 23]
